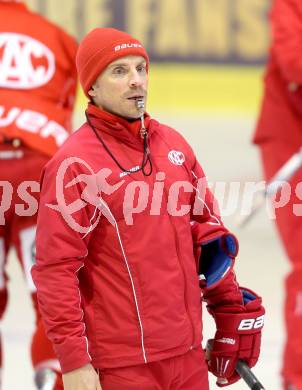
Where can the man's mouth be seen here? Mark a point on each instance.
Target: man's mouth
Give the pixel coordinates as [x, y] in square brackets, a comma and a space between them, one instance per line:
[136, 97]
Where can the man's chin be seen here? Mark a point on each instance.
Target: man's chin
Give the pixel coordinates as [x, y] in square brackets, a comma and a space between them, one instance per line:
[131, 116]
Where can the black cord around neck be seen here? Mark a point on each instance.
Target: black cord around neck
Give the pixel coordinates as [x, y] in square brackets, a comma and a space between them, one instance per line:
[146, 156]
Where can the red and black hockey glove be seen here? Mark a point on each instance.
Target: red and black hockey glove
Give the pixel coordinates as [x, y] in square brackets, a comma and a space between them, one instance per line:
[238, 336]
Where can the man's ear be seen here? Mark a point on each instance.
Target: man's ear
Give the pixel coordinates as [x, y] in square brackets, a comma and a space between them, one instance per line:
[91, 91]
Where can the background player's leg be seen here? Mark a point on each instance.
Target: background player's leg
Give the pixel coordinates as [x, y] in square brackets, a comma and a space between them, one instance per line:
[3, 283]
[23, 236]
[45, 363]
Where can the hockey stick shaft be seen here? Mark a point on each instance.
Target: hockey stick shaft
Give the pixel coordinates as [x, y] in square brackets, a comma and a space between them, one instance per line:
[248, 376]
[284, 174]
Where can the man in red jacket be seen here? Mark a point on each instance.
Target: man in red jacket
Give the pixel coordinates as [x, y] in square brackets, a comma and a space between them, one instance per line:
[124, 206]
[279, 136]
[37, 90]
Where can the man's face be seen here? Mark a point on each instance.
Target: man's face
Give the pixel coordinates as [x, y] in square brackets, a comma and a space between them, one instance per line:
[120, 85]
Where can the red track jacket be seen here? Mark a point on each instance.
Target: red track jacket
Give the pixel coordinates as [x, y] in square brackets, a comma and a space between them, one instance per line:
[115, 286]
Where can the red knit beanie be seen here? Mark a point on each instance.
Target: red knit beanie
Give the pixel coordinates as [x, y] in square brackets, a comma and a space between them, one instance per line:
[99, 48]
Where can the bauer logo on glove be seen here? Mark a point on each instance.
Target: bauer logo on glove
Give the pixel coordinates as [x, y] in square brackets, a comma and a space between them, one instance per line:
[251, 323]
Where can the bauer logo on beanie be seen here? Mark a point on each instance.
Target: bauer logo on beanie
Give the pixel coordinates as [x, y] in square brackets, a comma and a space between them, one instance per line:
[99, 48]
[127, 45]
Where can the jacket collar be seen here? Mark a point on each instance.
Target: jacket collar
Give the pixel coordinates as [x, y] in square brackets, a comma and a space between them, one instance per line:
[116, 126]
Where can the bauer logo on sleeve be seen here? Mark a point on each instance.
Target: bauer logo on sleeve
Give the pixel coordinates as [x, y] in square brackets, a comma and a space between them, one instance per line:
[25, 62]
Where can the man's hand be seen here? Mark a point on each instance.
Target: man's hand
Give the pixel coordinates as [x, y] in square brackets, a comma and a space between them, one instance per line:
[83, 378]
[238, 336]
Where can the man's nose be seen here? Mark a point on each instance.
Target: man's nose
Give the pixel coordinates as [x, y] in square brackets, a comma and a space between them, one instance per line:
[135, 79]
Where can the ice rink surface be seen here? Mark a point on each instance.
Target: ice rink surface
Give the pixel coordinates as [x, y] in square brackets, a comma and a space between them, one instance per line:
[223, 147]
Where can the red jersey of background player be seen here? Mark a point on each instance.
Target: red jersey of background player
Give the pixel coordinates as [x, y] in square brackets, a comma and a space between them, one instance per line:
[39, 57]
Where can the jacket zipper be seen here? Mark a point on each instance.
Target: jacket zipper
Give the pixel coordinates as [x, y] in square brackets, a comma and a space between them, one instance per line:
[180, 263]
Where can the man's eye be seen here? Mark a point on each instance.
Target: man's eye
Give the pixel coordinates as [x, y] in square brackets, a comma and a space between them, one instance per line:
[141, 68]
[119, 71]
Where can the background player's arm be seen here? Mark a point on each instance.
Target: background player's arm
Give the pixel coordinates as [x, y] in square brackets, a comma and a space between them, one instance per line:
[286, 24]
